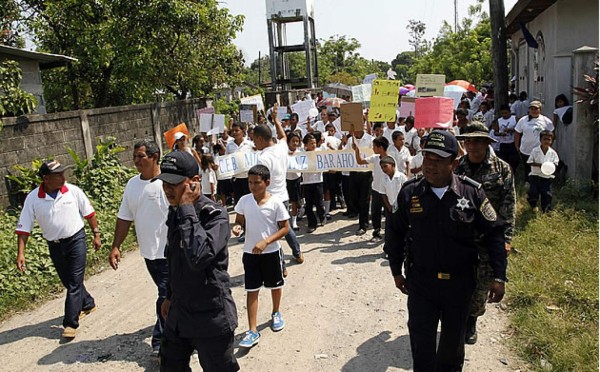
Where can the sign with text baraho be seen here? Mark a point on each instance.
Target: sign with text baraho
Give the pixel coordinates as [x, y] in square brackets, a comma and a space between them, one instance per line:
[309, 161]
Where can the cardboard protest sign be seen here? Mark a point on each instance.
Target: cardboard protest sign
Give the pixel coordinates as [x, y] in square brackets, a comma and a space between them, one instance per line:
[407, 107]
[430, 85]
[248, 113]
[302, 108]
[351, 116]
[254, 100]
[434, 112]
[369, 78]
[170, 134]
[384, 100]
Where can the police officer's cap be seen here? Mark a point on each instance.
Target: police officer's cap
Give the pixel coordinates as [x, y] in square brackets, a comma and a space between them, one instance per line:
[176, 167]
[441, 143]
[475, 129]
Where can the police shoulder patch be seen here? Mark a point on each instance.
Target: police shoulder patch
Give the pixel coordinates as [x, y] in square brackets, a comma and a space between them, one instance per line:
[488, 212]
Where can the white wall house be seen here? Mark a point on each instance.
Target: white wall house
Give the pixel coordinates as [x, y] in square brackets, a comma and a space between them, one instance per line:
[566, 32]
[31, 64]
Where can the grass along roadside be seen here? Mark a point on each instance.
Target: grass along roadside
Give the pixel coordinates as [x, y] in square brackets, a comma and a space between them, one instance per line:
[553, 289]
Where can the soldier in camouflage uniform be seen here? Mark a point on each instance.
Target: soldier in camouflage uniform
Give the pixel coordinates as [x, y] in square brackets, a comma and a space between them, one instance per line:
[496, 178]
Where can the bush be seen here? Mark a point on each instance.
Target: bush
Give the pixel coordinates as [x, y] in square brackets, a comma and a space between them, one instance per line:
[103, 180]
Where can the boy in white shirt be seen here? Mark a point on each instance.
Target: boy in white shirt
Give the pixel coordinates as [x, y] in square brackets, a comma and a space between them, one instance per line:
[380, 146]
[312, 186]
[266, 220]
[400, 153]
[392, 183]
[539, 182]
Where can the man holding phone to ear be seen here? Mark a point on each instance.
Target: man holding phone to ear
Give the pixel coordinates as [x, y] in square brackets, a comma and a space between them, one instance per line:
[199, 310]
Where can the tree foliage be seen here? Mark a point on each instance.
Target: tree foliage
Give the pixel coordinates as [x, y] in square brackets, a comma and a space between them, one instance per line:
[134, 51]
[13, 100]
[416, 30]
[465, 54]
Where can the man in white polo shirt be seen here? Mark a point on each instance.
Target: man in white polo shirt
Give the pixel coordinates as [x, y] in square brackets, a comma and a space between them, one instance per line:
[145, 204]
[58, 208]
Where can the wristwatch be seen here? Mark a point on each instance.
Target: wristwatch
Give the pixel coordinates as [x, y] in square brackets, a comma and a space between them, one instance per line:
[498, 280]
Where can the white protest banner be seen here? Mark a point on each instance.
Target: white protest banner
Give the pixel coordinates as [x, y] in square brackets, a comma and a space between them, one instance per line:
[205, 122]
[302, 108]
[253, 100]
[430, 85]
[361, 93]
[309, 161]
[369, 78]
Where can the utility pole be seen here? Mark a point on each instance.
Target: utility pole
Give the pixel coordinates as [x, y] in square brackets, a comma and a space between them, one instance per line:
[455, 16]
[499, 55]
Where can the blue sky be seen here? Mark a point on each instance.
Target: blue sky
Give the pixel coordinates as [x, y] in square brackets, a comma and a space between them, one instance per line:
[379, 25]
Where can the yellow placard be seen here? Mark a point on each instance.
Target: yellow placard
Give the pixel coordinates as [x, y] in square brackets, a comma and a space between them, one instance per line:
[384, 100]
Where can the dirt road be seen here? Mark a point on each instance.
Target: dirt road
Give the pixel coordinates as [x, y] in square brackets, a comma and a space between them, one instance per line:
[341, 309]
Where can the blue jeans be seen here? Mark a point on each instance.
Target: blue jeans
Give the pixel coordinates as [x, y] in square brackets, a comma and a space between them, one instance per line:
[69, 256]
[159, 271]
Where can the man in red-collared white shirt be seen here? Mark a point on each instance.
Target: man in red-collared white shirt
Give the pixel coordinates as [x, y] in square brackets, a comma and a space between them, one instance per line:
[58, 208]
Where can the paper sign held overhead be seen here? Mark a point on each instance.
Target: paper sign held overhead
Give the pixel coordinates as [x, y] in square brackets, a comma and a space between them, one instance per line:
[351, 116]
[407, 107]
[361, 93]
[430, 85]
[302, 108]
[384, 100]
[248, 113]
[170, 134]
[369, 78]
[212, 123]
[434, 112]
[254, 100]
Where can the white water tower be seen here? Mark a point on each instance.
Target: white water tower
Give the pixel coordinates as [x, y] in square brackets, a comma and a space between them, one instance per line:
[279, 14]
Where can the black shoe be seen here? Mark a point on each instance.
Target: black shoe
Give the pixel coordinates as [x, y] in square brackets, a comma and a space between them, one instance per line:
[352, 215]
[377, 235]
[471, 335]
[329, 217]
[311, 230]
[361, 231]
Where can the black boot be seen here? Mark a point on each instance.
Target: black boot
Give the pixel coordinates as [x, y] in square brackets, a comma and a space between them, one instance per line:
[471, 335]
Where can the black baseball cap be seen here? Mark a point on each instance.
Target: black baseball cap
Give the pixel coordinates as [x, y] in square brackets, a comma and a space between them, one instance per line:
[176, 166]
[442, 143]
[52, 166]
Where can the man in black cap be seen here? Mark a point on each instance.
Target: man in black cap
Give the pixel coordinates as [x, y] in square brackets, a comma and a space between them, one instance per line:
[433, 235]
[58, 207]
[199, 310]
[496, 178]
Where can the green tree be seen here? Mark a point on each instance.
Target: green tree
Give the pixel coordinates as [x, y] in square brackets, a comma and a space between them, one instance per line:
[416, 30]
[9, 31]
[401, 64]
[13, 100]
[134, 51]
[465, 54]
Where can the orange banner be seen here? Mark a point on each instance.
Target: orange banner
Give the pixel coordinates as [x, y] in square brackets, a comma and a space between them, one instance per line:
[170, 134]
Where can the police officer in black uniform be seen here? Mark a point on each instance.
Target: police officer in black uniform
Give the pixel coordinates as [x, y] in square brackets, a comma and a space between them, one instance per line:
[199, 310]
[433, 235]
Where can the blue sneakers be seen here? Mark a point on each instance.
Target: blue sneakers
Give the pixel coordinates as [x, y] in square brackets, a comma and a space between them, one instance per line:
[277, 322]
[250, 339]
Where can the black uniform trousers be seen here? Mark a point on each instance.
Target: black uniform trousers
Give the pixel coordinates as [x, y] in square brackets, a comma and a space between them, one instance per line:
[360, 189]
[214, 353]
[430, 301]
[313, 196]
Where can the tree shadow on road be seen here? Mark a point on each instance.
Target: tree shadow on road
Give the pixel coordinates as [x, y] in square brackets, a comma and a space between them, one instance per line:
[50, 329]
[379, 353]
[127, 347]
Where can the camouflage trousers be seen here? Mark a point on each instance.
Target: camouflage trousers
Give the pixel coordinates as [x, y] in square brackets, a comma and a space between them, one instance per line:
[485, 276]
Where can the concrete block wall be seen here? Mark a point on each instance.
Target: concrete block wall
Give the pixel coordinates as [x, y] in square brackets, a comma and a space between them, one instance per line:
[26, 138]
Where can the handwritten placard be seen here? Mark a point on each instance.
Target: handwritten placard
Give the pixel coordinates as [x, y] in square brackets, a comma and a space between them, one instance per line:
[430, 85]
[248, 113]
[302, 108]
[384, 99]
[254, 100]
[434, 112]
[361, 93]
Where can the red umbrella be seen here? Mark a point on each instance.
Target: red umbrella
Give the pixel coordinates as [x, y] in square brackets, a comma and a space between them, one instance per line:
[464, 84]
[332, 102]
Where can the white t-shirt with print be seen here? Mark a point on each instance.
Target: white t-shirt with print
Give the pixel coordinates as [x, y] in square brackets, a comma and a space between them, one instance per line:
[145, 204]
[261, 220]
[530, 131]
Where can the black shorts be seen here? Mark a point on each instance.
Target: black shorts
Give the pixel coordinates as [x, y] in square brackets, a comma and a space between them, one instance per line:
[263, 270]
[225, 187]
[293, 189]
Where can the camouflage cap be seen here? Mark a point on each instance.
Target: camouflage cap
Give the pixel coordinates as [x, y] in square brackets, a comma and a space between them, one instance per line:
[475, 129]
